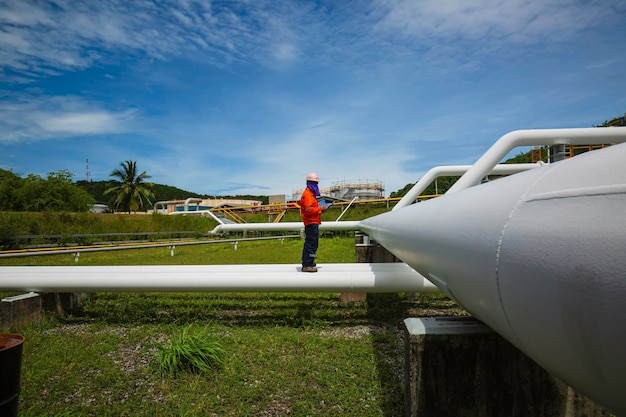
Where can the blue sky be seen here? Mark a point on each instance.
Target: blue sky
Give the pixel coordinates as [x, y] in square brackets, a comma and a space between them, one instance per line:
[247, 97]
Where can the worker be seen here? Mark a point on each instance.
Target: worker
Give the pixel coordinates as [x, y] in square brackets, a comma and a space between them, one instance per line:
[311, 212]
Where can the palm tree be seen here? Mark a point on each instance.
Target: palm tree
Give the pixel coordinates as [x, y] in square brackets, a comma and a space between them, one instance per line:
[129, 189]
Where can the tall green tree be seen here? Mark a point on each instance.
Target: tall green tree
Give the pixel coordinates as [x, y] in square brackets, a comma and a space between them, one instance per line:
[129, 189]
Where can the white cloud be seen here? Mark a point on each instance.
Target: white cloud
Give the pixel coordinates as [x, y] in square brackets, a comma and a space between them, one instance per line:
[73, 35]
[486, 26]
[285, 52]
[31, 119]
[478, 19]
[84, 123]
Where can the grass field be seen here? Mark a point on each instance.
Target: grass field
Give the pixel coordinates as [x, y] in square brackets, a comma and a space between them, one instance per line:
[300, 354]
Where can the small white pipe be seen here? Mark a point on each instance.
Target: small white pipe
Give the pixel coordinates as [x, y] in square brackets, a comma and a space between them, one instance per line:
[192, 200]
[346, 209]
[455, 170]
[282, 227]
[508, 142]
[164, 203]
[186, 202]
[197, 213]
[217, 219]
[358, 277]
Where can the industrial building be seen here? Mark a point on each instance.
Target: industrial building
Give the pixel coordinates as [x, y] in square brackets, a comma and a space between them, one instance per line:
[199, 204]
[349, 189]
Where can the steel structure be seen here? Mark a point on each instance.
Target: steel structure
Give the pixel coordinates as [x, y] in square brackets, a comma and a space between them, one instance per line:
[537, 256]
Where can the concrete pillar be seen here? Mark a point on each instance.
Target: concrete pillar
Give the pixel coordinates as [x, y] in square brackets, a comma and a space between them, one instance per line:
[19, 309]
[459, 367]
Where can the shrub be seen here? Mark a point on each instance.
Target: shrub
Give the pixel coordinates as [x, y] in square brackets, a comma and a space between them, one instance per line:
[188, 350]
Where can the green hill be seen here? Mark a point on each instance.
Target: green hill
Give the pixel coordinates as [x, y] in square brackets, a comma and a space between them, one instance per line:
[161, 192]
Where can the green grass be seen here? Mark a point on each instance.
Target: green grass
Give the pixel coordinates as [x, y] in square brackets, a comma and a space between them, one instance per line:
[297, 354]
[303, 354]
[331, 250]
[14, 224]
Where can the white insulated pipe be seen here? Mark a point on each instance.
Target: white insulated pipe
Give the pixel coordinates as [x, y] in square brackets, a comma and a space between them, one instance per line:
[348, 277]
[540, 137]
[192, 200]
[455, 170]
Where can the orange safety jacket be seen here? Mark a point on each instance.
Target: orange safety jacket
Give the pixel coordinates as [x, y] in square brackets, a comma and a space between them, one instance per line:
[309, 209]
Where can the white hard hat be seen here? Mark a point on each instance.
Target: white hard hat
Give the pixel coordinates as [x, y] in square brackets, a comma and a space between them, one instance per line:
[312, 177]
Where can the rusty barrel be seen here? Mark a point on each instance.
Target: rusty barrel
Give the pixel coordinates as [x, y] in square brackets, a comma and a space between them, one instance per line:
[10, 371]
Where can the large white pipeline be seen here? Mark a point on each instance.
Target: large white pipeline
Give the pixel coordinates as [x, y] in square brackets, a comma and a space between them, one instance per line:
[539, 258]
[357, 277]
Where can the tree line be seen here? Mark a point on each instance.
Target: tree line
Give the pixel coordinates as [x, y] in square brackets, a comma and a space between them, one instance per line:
[127, 191]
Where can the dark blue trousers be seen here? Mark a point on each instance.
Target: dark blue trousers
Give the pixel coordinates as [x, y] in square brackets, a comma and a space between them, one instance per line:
[311, 241]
